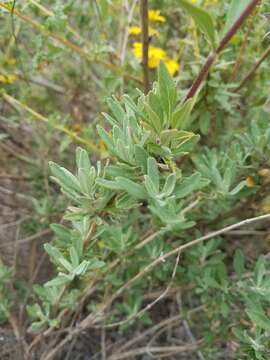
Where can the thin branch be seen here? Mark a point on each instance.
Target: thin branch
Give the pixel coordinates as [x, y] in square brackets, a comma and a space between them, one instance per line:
[243, 48]
[252, 71]
[11, 100]
[158, 350]
[125, 39]
[145, 44]
[224, 41]
[90, 318]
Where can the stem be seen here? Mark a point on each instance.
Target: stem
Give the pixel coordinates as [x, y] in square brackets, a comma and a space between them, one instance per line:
[252, 71]
[145, 44]
[12, 101]
[224, 41]
[243, 48]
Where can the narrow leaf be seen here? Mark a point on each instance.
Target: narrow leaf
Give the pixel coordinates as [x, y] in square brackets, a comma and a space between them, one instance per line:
[202, 19]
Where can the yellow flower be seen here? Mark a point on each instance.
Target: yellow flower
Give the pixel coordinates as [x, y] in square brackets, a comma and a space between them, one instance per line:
[11, 78]
[172, 66]
[137, 50]
[155, 54]
[136, 30]
[154, 15]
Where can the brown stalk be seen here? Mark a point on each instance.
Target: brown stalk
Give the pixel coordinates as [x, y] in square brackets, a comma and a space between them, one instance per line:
[145, 44]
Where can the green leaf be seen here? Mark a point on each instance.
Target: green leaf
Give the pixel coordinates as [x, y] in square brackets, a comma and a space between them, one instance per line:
[113, 185]
[260, 270]
[116, 109]
[153, 172]
[73, 257]
[60, 280]
[64, 177]
[131, 187]
[238, 188]
[235, 10]
[66, 264]
[141, 157]
[202, 19]
[167, 89]
[169, 185]
[82, 268]
[150, 186]
[153, 119]
[205, 120]
[125, 201]
[54, 253]
[82, 159]
[38, 326]
[106, 138]
[61, 231]
[257, 315]
[181, 117]
[95, 264]
[188, 185]
[239, 263]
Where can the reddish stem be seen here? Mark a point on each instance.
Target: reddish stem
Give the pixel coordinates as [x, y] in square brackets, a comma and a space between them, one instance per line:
[224, 41]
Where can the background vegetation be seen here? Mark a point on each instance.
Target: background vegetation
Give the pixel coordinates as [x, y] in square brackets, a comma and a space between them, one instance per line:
[152, 118]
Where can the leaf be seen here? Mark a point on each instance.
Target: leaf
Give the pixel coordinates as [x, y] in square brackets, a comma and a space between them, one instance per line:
[150, 186]
[82, 268]
[73, 257]
[54, 253]
[153, 172]
[169, 185]
[257, 315]
[108, 184]
[190, 184]
[95, 264]
[239, 263]
[116, 109]
[131, 187]
[227, 178]
[153, 119]
[82, 159]
[238, 188]
[141, 157]
[64, 177]
[37, 326]
[202, 19]
[180, 118]
[204, 123]
[125, 201]
[260, 270]
[66, 264]
[106, 138]
[61, 231]
[167, 89]
[235, 10]
[60, 280]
